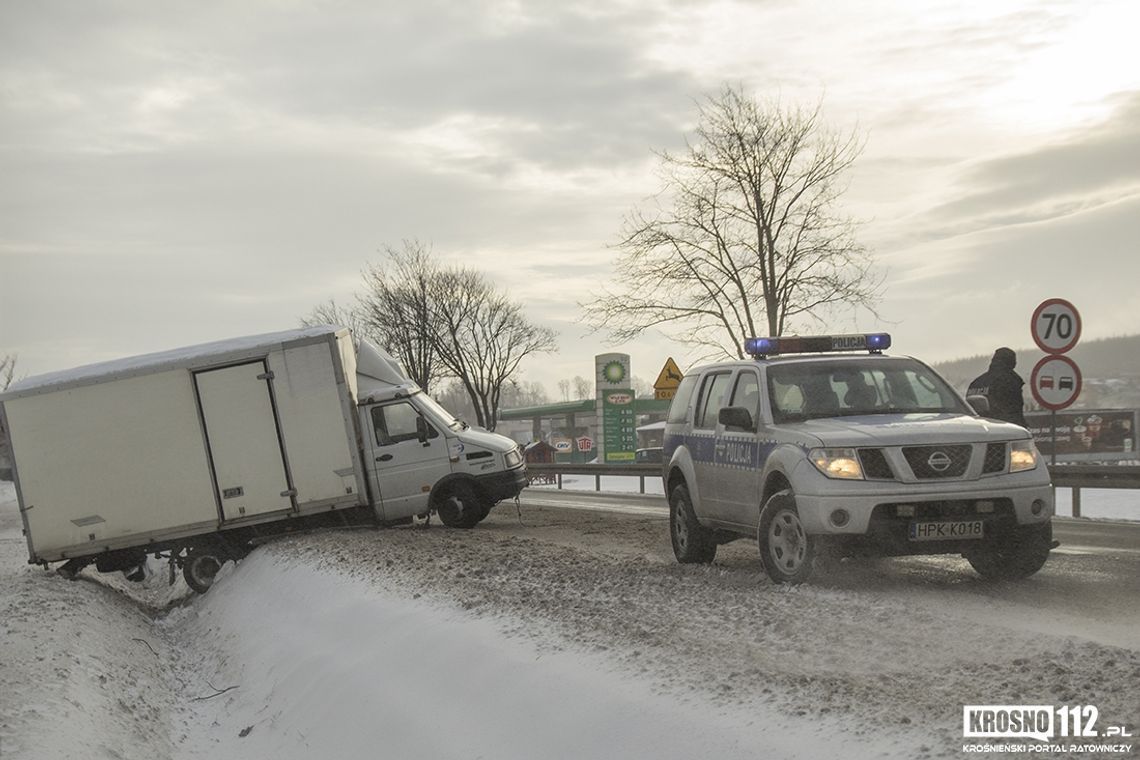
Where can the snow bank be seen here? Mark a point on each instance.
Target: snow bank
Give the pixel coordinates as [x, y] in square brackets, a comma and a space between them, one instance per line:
[82, 673]
[330, 666]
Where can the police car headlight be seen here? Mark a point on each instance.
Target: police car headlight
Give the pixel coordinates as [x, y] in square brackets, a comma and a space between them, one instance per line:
[513, 458]
[1022, 456]
[837, 463]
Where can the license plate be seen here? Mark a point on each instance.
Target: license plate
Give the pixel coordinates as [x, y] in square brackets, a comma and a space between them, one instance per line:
[946, 531]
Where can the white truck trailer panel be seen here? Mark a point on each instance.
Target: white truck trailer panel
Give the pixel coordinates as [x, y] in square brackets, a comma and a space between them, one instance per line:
[100, 463]
[118, 455]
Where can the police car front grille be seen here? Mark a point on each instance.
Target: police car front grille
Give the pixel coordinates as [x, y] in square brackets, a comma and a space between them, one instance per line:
[930, 462]
[875, 465]
[995, 458]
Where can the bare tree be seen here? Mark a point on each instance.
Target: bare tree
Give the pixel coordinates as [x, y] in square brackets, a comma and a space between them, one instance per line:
[521, 393]
[445, 323]
[583, 388]
[751, 243]
[564, 389]
[641, 387]
[7, 370]
[481, 336]
[7, 376]
[332, 313]
[396, 307]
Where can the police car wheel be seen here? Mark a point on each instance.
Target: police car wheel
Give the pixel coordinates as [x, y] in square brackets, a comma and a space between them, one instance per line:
[786, 550]
[692, 542]
[1014, 558]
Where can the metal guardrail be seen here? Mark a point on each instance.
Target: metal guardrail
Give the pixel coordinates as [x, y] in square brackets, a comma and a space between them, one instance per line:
[1078, 476]
[1074, 476]
[552, 473]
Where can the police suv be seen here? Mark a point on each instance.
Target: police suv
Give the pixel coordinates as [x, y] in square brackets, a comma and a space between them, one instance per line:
[814, 451]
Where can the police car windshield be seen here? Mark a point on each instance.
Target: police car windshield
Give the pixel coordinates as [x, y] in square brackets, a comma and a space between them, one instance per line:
[852, 387]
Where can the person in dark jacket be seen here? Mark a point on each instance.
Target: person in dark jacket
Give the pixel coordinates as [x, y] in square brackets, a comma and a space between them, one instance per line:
[1002, 386]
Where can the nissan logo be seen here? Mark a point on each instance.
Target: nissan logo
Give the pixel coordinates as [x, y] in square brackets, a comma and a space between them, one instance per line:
[939, 461]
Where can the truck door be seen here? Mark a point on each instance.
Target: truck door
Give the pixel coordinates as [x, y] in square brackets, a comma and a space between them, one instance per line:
[244, 441]
[408, 457]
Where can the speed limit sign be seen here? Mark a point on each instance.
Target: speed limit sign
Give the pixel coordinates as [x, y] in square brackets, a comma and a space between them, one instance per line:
[1056, 326]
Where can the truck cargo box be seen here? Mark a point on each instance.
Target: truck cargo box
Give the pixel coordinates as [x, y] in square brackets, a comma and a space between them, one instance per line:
[158, 447]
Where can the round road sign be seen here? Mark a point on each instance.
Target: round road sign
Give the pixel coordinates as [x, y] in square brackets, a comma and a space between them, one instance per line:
[1056, 326]
[1055, 382]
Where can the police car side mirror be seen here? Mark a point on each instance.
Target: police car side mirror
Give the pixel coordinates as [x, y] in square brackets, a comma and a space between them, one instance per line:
[736, 417]
[981, 404]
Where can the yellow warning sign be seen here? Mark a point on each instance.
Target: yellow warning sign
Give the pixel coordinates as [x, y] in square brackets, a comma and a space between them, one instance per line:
[667, 381]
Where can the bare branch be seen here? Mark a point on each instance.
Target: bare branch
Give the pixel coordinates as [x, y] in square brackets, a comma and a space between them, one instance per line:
[750, 235]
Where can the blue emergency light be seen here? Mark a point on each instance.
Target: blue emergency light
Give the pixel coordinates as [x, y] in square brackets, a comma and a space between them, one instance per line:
[761, 347]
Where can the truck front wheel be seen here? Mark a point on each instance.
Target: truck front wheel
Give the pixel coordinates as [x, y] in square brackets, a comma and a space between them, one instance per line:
[461, 506]
[200, 569]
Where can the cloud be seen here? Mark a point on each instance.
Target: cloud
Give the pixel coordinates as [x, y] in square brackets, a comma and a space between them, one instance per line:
[1081, 171]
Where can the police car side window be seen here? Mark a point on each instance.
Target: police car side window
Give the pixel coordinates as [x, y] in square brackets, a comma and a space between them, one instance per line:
[747, 393]
[712, 399]
[678, 410]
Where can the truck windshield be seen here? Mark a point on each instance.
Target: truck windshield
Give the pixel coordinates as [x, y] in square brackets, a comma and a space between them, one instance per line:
[432, 407]
[843, 388]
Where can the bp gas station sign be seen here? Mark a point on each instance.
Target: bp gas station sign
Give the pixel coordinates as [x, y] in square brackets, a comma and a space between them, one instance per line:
[615, 408]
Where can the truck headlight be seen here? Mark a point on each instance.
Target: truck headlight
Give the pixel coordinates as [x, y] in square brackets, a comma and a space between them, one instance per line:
[513, 458]
[837, 463]
[1022, 456]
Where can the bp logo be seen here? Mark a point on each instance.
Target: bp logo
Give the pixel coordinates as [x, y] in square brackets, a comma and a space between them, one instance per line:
[614, 372]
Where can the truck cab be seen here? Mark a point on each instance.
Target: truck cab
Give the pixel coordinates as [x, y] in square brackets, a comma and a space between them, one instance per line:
[420, 458]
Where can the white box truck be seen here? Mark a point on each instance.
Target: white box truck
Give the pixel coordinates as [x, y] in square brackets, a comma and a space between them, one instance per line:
[194, 454]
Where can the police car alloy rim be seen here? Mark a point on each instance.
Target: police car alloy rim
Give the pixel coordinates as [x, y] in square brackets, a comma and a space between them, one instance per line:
[680, 528]
[787, 542]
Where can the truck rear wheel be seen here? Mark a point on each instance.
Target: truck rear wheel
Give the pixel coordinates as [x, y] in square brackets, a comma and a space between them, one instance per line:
[1018, 556]
[200, 569]
[461, 506]
[786, 550]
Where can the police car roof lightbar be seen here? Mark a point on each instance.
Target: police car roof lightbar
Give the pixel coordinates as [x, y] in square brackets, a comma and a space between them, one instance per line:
[760, 348]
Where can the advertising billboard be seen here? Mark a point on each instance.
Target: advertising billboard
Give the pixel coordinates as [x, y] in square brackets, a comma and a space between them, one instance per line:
[1086, 434]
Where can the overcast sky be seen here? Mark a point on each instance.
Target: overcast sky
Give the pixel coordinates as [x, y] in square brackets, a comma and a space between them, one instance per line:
[177, 172]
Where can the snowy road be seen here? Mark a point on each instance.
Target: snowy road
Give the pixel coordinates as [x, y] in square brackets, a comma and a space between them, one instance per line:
[569, 633]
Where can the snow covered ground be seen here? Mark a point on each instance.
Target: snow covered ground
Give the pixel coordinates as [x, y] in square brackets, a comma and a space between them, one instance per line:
[560, 634]
[284, 659]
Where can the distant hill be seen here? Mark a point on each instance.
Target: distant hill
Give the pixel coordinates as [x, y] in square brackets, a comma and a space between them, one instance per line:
[1110, 368]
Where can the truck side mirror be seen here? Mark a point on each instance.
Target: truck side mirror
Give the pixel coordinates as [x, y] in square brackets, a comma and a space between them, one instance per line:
[422, 430]
[736, 417]
[981, 404]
